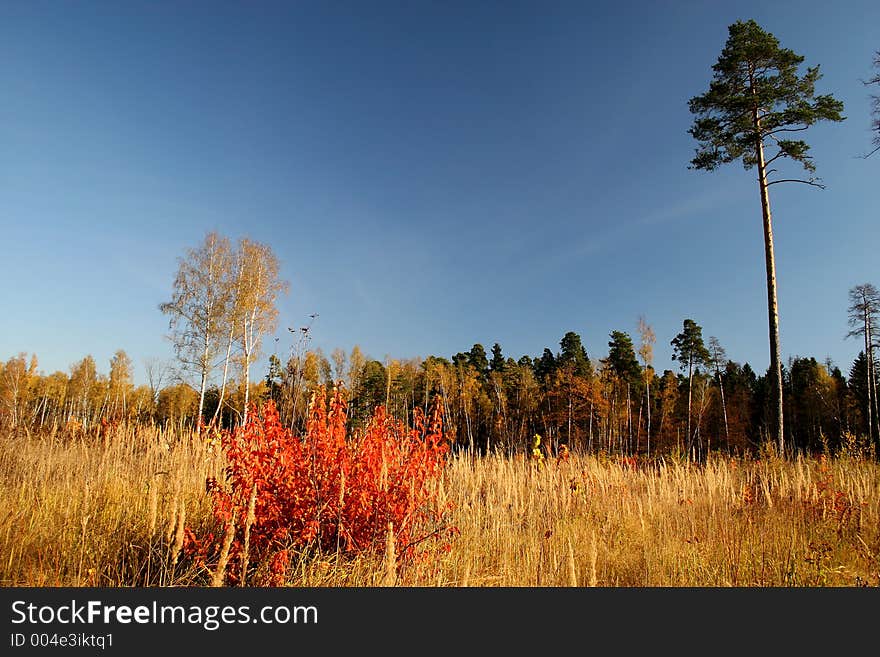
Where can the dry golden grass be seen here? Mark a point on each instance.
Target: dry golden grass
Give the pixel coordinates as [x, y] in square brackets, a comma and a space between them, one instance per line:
[594, 522]
[110, 514]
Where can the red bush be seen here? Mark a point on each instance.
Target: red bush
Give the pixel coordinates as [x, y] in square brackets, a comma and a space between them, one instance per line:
[326, 490]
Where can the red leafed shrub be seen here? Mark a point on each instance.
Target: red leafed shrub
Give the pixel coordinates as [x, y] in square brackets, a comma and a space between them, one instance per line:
[326, 490]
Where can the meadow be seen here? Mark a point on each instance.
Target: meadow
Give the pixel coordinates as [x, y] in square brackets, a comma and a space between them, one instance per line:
[82, 511]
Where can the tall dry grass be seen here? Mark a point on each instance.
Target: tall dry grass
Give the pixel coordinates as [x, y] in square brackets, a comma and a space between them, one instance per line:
[83, 512]
[110, 514]
[591, 521]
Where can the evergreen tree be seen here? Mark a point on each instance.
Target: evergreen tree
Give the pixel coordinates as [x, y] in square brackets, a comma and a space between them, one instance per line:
[574, 355]
[497, 363]
[806, 402]
[477, 359]
[841, 409]
[860, 388]
[755, 100]
[275, 380]
[545, 366]
[864, 310]
[372, 390]
[622, 358]
[739, 393]
[690, 352]
[626, 374]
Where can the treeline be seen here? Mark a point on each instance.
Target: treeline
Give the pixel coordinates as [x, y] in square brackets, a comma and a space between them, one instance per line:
[617, 403]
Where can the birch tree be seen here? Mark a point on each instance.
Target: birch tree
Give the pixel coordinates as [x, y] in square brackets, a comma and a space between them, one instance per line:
[646, 353]
[256, 308]
[198, 310]
[80, 387]
[14, 384]
[231, 317]
[718, 360]
[121, 383]
[339, 362]
[156, 371]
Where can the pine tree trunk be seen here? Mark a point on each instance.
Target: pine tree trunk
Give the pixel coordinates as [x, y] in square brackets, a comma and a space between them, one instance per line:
[629, 431]
[611, 424]
[724, 411]
[873, 367]
[868, 373]
[698, 436]
[770, 262]
[648, 394]
[639, 426]
[591, 425]
[569, 415]
[689, 442]
[662, 419]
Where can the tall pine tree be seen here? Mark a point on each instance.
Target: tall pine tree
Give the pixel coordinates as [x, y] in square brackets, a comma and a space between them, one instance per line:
[690, 351]
[756, 99]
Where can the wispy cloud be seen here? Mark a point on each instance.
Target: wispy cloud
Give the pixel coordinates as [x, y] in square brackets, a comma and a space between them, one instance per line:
[623, 231]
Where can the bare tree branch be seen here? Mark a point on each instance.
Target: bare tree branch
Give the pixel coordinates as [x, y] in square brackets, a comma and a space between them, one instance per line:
[871, 153]
[770, 133]
[812, 183]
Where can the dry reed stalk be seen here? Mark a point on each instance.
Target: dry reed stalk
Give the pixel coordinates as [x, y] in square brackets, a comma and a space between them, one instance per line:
[154, 507]
[594, 555]
[252, 502]
[341, 502]
[172, 520]
[765, 486]
[82, 547]
[390, 576]
[572, 568]
[539, 579]
[219, 575]
[179, 534]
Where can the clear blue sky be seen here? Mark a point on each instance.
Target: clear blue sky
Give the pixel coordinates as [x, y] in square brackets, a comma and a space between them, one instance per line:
[430, 174]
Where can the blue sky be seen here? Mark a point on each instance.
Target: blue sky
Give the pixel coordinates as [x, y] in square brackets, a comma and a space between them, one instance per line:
[430, 174]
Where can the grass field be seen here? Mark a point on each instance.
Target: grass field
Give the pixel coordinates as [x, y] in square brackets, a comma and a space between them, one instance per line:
[112, 513]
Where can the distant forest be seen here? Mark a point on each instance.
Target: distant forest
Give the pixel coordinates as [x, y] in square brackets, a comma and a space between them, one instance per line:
[616, 403]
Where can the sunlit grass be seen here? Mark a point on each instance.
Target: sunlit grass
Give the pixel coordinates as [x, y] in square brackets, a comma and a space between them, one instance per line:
[81, 512]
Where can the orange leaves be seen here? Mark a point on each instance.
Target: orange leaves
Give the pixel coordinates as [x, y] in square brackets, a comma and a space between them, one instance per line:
[328, 490]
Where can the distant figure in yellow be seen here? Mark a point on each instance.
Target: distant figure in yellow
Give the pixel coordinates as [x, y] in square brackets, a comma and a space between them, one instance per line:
[537, 452]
